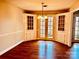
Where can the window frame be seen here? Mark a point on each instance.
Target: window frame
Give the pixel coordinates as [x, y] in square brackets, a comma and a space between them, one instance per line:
[30, 21]
[61, 23]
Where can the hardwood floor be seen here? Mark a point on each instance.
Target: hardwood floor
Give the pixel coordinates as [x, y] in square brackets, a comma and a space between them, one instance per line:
[42, 50]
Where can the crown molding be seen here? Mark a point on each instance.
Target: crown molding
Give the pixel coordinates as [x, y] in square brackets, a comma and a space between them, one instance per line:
[47, 11]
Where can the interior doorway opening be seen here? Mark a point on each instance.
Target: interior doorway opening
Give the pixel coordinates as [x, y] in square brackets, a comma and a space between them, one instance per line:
[46, 27]
[75, 26]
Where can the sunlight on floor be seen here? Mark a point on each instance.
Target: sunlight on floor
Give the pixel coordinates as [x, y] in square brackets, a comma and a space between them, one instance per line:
[46, 50]
[75, 51]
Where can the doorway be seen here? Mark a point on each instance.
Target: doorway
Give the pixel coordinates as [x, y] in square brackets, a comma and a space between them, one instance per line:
[76, 26]
[46, 27]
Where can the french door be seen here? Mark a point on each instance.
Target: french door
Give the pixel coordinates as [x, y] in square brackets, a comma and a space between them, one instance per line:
[46, 27]
[76, 26]
[76, 30]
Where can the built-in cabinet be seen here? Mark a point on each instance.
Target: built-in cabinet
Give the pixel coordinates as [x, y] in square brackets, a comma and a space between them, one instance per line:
[64, 28]
[30, 26]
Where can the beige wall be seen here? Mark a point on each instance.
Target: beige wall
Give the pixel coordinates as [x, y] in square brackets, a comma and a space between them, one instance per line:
[11, 25]
[30, 34]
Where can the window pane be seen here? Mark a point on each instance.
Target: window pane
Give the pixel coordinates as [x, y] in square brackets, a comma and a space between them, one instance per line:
[50, 23]
[30, 22]
[42, 35]
[61, 22]
[77, 23]
[77, 19]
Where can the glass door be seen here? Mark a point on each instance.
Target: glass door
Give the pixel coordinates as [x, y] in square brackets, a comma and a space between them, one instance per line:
[50, 27]
[75, 33]
[77, 28]
[42, 27]
[46, 27]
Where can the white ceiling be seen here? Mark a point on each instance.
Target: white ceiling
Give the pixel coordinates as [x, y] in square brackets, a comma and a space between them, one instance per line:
[36, 4]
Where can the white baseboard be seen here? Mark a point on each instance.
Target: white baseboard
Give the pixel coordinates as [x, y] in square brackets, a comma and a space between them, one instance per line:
[1, 53]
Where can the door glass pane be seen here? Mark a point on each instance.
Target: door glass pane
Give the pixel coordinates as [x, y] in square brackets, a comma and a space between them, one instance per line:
[50, 27]
[42, 27]
[77, 29]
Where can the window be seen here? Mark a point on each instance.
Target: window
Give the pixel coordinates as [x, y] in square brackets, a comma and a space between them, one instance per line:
[30, 22]
[61, 23]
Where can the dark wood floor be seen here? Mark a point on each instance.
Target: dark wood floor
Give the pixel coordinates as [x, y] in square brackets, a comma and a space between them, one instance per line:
[42, 50]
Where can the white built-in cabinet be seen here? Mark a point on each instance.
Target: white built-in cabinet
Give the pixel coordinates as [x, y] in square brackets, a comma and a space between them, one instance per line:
[30, 31]
[64, 36]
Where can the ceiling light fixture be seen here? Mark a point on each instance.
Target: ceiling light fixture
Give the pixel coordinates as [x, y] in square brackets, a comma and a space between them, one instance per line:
[42, 16]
